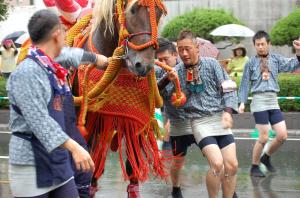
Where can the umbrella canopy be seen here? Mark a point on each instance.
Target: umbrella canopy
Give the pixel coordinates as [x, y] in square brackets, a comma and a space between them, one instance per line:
[14, 36]
[22, 39]
[233, 30]
[206, 48]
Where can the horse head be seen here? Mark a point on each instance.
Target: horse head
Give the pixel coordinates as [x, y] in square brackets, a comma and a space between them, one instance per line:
[136, 30]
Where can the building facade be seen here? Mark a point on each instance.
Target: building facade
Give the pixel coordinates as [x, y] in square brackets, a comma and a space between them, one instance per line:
[20, 2]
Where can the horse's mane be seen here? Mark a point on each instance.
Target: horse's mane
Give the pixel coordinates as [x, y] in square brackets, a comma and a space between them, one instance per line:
[104, 11]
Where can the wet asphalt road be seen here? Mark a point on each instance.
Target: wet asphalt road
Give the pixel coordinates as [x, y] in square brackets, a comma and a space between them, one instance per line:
[285, 183]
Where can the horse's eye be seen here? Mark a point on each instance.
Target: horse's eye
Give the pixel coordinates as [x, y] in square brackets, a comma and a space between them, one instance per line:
[133, 10]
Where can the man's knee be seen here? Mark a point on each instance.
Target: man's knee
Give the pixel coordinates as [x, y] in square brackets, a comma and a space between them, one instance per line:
[231, 167]
[263, 138]
[264, 133]
[177, 163]
[281, 138]
[217, 167]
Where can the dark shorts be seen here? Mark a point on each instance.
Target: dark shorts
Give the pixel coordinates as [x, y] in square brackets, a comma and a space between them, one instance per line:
[181, 143]
[67, 190]
[222, 141]
[272, 116]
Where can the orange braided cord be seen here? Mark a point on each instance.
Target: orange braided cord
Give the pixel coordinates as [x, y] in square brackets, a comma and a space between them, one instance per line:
[84, 101]
[154, 100]
[123, 33]
[153, 41]
[178, 98]
[158, 3]
[163, 65]
[151, 95]
[109, 75]
[81, 39]
[77, 29]
[120, 12]
[157, 98]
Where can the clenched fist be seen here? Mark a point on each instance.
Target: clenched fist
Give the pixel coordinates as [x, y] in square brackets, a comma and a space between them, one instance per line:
[227, 121]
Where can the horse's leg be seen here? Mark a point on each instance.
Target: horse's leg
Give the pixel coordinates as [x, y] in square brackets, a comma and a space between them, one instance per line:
[133, 187]
[94, 187]
[129, 171]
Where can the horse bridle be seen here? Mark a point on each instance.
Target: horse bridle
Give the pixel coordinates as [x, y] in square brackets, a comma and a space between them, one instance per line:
[125, 36]
[126, 46]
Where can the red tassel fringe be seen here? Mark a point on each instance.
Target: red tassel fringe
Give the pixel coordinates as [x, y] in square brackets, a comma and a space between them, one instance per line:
[140, 146]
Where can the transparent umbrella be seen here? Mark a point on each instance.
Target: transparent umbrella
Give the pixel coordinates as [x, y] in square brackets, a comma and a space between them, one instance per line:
[22, 39]
[14, 36]
[233, 30]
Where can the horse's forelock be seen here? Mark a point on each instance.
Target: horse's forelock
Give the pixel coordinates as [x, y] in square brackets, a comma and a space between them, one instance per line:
[104, 11]
[130, 4]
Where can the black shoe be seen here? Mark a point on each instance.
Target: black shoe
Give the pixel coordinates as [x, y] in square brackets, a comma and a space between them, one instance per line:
[265, 159]
[235, 195]
[256, 172]
[176, 193]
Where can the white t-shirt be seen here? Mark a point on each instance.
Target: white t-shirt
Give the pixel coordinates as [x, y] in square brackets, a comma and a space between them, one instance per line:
[8, 60]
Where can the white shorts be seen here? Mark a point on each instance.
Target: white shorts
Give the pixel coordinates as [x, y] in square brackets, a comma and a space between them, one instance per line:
[208, 126]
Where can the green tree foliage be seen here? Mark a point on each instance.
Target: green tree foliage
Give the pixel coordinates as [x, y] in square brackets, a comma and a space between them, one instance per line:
[3, 10]
[286, 29]
[200, 21]
[3, 103]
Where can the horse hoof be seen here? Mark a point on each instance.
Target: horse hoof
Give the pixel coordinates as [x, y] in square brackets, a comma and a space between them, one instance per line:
[133, 191]
[93, 191]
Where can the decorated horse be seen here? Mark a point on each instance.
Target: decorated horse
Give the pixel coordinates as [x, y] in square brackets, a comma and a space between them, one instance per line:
[117, 105]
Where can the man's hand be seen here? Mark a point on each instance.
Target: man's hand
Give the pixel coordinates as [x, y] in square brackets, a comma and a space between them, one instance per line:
[81, 157]
[102, 61]
[167, 126]
[227, 121]
[242, 108]
[172, 75]
[296, 44]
